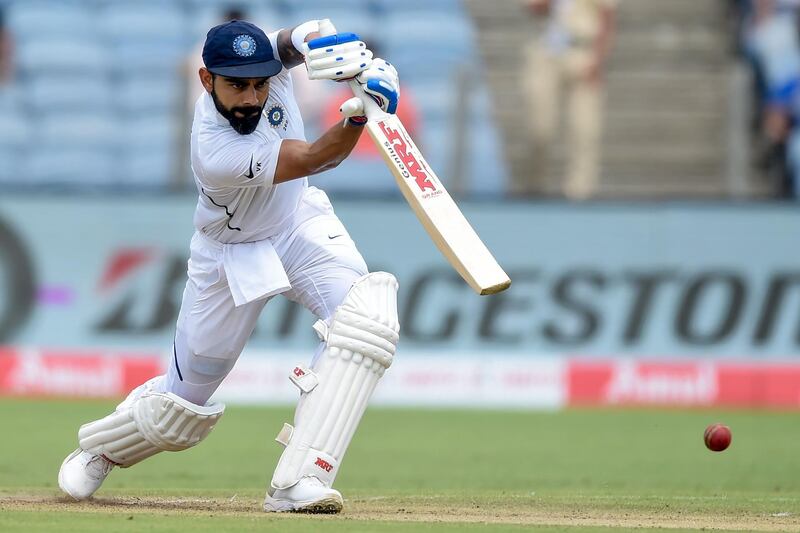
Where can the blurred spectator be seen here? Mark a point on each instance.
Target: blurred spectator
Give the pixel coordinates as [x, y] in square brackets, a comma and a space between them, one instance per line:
[771, 43]
[6, 51]
[569, 59]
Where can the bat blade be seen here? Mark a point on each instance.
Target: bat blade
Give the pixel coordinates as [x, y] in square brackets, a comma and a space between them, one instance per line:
[435, 208]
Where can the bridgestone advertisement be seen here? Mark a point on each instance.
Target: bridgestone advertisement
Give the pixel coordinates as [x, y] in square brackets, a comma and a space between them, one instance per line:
[665, 284]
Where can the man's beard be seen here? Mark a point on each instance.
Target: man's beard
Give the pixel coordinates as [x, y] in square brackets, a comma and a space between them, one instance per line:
[244, 125]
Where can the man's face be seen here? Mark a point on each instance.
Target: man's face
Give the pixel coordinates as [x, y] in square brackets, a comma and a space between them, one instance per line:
[240, 100]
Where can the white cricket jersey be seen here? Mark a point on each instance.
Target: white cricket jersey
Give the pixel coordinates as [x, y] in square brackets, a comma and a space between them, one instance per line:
[234, 173]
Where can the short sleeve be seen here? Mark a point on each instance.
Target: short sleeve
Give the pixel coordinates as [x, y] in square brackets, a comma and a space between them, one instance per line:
[227, 159]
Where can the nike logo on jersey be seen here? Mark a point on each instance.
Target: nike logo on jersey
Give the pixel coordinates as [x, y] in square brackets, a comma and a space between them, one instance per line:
[331, 237]
[250, 175]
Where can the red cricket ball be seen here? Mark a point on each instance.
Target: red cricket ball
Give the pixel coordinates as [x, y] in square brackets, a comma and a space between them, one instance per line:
[717, 437]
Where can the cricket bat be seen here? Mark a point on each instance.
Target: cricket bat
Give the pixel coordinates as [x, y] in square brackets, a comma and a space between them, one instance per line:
[434, 207]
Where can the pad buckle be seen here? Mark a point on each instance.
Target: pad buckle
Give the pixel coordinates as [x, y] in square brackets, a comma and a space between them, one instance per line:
[285, 434]
[321, 328]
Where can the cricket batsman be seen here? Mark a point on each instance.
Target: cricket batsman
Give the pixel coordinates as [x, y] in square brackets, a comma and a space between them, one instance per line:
[262, 231]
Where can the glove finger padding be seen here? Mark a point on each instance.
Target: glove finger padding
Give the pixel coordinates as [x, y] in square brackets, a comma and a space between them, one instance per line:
[334, 50]
[354, 57]
[340, 73]
[382, 83]
[337, 57]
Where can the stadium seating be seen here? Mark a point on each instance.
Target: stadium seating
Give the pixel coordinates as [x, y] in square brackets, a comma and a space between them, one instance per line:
[68, 56]
[68, 93]
[453, 8]
[140, 23]
[435, 97]
[10, 98]
[147, 94]
[32, 20]
[15, 130]
[16, 135]
[78, 130]
[8, 164]
[100, 82]
[345, 18]
[64, 166]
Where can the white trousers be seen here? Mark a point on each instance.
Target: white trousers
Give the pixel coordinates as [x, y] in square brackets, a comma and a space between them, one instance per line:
[320, 261]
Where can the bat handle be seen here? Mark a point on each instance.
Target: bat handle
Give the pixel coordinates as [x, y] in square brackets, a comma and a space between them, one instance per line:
[371, 109]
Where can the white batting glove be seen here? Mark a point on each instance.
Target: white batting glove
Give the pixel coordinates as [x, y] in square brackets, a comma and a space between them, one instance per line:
[337, 57]
[381, 82]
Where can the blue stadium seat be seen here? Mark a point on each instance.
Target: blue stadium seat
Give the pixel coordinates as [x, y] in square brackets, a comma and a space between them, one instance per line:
[440, 33]
[30, 20]
[484, 166]
[271, 20]
[73, 56]
[68, 93]
[206, 17]
[137, 94]
[80, 130]
[419, 65]
[247, 5]
[10, 98]
[436, 144]
[150, 168]
[149, 58]
[16, 131]
[71, 166]
[358, 178]
[134, 21]
[360, 5]
[435, 97]
[149, 150]
[149, 131]
[421, 51]
[8, 167]
[346, 19]
[452, 7]
[488, 170]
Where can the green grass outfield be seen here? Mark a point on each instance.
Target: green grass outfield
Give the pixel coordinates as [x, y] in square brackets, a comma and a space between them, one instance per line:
[412, 470]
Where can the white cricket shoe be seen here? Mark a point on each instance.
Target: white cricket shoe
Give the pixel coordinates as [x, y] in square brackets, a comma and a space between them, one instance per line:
[309, 495]
[82, 473]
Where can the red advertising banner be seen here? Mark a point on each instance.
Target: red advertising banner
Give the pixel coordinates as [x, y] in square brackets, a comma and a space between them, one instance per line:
[71, 373]
[434, 382]
[683, 383]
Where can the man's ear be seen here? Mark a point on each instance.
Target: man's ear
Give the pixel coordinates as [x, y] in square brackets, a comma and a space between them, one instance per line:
[207, 79]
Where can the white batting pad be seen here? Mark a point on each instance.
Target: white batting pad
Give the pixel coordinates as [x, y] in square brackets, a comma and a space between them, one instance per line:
[360, 345]
[152, 423]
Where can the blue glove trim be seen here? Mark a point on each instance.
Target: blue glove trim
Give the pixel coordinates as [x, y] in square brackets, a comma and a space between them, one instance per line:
[375, 86]
[331, 40]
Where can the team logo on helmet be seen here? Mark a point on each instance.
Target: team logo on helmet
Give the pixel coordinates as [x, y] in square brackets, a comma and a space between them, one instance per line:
[276, 115]
[244, 45]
